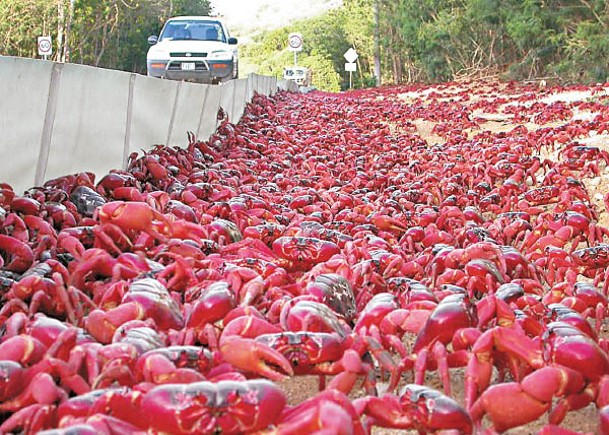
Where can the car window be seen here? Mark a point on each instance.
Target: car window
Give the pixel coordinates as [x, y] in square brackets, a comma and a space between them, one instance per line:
[193, 30]
[174, 31]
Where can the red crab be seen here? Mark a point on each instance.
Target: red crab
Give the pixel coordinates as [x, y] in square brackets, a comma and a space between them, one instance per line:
[227, 406]
[304, 252]
[416, 408]
[146, 298]
[121, 221]
[454, 312]
[321, 353]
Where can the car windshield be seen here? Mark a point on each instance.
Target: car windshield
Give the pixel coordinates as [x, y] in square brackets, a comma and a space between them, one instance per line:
[193, 30]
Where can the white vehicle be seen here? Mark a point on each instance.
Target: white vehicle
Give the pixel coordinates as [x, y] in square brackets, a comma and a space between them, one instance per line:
[197, 49]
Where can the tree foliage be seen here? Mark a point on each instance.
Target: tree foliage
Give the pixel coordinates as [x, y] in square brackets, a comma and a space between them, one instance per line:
[22, 21]
[525, 39]
[325, 39]
[420, 40]
[439, 40]
[106, 33]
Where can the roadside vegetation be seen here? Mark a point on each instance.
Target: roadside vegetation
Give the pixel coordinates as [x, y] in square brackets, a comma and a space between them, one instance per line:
[432, 41]
[104, 33]
[429, 41]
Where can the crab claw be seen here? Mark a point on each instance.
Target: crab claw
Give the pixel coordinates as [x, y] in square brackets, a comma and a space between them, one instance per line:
[249, 355]
[386, 223]
[19, 256]
[604, 420]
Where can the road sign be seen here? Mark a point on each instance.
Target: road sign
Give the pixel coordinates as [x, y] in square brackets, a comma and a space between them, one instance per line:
[295, 42]
[350, 67]
[45, 47]
[351, 55]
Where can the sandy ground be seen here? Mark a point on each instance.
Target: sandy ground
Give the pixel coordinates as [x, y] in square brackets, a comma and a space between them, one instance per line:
[583, 421]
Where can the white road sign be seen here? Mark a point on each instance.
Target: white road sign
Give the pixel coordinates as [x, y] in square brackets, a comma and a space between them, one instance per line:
[45, 47]
[351, 55]
[295, 42]
[351, 66]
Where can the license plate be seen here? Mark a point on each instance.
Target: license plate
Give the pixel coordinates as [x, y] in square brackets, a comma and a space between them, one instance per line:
[188, 66]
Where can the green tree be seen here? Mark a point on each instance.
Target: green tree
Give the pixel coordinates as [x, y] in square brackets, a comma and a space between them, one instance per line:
[324, 76]
[421, 40]
[113, 33]
[358, 24]
[326, 38]
[586, 54]
[106, 33]
[22, 21]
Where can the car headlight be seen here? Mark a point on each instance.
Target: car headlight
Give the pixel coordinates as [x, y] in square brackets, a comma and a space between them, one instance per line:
[221, 55]
[155, 53]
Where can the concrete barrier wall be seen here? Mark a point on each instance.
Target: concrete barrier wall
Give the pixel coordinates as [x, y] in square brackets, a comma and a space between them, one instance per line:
[90, 122]
[151, 99]
[287, 85]
[25, 101]
[59, 119]
[189, 101]
[209, 117]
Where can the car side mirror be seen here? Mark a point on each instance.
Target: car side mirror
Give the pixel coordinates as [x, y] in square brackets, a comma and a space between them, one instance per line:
[153, 39]
[232, 41]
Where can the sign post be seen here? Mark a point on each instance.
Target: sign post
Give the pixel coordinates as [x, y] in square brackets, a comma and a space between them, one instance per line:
[351, 56]
[295, 45]
[45, 46]
[351, 67]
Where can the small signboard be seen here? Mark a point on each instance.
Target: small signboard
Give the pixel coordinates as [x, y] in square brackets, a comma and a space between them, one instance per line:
[45, 46]
[351, 55]
[351, 66]
[295, 42]
[299, 74]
